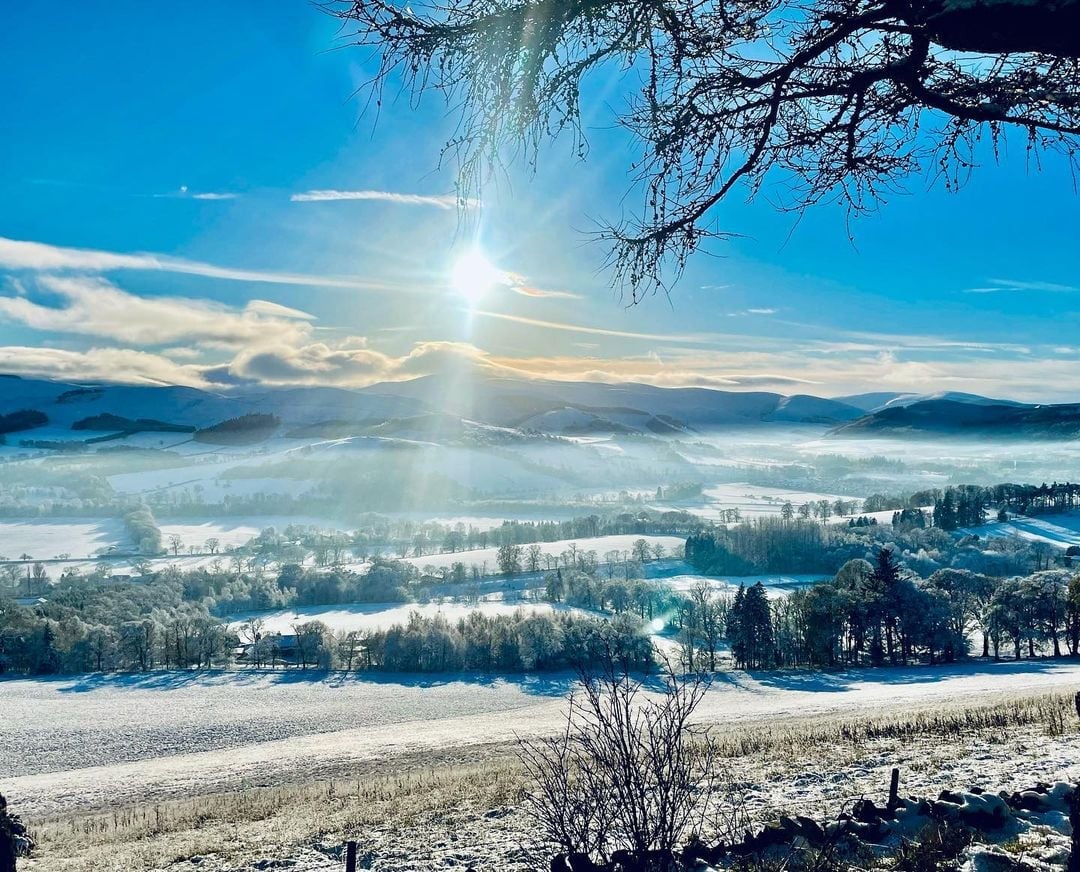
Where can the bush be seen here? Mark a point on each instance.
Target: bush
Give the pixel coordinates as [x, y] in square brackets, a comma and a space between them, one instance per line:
[628, 773]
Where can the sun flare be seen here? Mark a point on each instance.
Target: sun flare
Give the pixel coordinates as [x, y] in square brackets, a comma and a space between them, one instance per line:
[473, 275]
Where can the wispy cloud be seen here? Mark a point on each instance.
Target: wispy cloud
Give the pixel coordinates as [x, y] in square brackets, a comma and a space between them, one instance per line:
[519, 284]
[744, 312]
[645, 371]
[276, 310]
[542, 293]
[839, 341]
[40, 257]
[995, 286]
[439, 201]
[799, 368]
[185, 193]
[691, 338]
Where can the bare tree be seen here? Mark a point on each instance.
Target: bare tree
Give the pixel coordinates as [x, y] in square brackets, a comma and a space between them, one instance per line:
[251, 633]
[535, 552]
[629, 772]
[349, 644]
[843, 99]
[41, 578]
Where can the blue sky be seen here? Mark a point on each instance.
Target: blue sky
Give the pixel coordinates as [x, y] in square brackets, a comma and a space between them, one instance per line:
[158, 224]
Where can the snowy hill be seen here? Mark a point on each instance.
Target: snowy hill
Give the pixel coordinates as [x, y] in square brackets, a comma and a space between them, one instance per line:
[595, 407]
[951, 417]
[66, 404]
[874, 402]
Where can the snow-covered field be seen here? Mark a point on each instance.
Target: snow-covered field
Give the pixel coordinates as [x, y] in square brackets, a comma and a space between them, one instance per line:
[1059, 530]
[600, 544]
[503, 597]
[69, 743]
[233, 531]
[750, 499]
[202, 468]
[776, 586]
[47, 539]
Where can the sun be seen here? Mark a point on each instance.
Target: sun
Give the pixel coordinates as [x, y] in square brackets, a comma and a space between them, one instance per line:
[473, 275]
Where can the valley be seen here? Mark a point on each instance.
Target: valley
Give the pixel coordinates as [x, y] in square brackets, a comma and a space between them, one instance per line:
[366, 581]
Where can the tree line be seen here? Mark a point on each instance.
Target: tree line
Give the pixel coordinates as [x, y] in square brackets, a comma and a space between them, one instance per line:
[874, 613]
[177, 620]
[168, 619]
[524, 641]
[772, 545]
[769, 544]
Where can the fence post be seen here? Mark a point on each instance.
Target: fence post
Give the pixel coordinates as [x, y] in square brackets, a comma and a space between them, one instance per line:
[350, 857]
[894, 789]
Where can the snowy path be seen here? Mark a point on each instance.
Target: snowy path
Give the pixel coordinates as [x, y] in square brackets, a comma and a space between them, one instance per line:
[70, 744]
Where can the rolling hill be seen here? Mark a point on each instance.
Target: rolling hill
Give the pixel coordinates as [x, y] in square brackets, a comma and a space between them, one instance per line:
[595, 407]
[955, 418]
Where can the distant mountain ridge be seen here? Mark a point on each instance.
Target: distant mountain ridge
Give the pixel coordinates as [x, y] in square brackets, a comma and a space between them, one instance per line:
[582, 407]
[951, 417]
[463, 404]
[874, 402]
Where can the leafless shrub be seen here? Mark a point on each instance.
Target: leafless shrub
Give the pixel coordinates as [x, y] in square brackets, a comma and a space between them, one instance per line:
[629, 771]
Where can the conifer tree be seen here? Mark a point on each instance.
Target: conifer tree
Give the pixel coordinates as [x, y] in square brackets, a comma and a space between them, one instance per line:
[757, 631]
[735, 627]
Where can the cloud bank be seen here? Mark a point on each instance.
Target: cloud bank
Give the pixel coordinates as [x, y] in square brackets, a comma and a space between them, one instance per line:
[92, 306]
[63, 292]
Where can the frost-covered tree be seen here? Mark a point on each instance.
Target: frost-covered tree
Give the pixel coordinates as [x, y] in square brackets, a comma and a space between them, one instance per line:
[509, 559]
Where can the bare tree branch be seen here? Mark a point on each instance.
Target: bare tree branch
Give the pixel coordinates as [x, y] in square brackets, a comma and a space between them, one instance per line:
[835, 100]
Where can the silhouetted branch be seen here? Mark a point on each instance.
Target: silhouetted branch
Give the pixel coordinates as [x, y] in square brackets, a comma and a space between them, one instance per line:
[840, 100]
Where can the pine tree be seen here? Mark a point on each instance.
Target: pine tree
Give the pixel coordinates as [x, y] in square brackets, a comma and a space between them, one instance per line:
[735, 634]
[945, 512]
[49, 660]
[886, 578]
[757, 631]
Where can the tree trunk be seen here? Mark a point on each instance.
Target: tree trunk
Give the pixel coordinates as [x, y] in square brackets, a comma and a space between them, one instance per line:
[995, 26]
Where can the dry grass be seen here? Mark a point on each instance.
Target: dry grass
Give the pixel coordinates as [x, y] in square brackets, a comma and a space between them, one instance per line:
[260, 819]
[259, 822]
[1053, 713]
